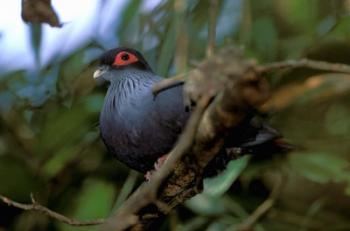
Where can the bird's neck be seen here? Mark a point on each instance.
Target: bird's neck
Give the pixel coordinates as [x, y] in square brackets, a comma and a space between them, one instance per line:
[127, 88]
[130, 82]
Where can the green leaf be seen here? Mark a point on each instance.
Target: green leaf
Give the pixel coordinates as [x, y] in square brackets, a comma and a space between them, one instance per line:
[126, 189]
[193, 224]
[301, 13]
[167, 50]
[206, 205]
[342, 28]
[95, 201]
[217, 186]
[319, 167]
[61, 129]
[17, 181]
[94, 103]
[337, 120]
[35, 39]
[217, 226]
[58, 161]
[265, 38]
[128, 15]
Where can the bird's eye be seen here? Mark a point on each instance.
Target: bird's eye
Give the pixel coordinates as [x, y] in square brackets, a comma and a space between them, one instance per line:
[124, 58]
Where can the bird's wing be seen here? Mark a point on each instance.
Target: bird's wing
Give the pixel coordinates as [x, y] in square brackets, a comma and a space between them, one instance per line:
[171, 111]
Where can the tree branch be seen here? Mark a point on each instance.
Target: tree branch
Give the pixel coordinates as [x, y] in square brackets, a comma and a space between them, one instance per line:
[35, 206]
[168, 83]
[313, 64]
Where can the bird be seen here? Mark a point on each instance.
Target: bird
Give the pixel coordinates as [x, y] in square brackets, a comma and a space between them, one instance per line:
[139, 128]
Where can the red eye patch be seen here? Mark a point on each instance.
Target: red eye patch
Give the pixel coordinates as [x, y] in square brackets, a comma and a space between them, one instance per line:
[124, 58]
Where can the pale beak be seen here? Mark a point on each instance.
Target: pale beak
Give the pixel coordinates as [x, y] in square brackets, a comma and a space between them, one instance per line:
[98, 75]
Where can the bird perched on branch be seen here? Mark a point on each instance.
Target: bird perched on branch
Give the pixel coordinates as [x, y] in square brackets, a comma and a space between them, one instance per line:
[139, 128]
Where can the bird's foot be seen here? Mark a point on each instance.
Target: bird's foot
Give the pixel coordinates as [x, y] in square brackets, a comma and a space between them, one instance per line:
[157, 165]
[148, 175]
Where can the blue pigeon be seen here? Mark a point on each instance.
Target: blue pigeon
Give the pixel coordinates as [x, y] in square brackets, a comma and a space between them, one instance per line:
[139, 128]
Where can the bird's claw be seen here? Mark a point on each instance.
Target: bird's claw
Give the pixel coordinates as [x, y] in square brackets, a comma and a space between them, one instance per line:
[157, 165]
[148, 175]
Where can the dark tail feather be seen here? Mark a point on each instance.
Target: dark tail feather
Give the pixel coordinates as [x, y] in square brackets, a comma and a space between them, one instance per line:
[266, 143]
[268, 148]
[261, 142]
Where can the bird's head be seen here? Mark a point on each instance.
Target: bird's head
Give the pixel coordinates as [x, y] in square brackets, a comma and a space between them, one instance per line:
[121, 58]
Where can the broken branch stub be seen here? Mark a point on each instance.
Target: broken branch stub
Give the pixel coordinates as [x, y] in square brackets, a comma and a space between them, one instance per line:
[39, 11]
[223, 71]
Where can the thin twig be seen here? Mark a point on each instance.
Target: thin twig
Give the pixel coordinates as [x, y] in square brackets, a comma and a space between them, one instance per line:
[313, 64]
[35, 206]
[262, 209]
[213, 11]
[168, 83]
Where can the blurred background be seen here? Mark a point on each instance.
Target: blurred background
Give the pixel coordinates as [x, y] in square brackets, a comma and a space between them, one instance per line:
[49, 107]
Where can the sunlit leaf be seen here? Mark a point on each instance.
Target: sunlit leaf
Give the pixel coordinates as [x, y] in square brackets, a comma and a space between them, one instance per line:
[205, 205]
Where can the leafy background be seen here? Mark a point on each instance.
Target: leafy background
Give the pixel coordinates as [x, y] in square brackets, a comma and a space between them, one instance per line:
[50, 146]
